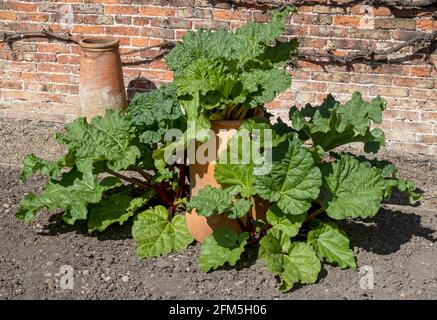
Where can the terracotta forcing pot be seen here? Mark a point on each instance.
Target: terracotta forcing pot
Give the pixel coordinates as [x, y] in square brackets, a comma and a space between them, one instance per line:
[101, 85]
[202, 175]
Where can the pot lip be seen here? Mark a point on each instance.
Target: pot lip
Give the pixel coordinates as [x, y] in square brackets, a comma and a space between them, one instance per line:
[99, 43]
[227, 123]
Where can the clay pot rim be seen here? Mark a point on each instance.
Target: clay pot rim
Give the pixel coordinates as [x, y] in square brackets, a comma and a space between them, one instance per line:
[227, 123]
[99, 43]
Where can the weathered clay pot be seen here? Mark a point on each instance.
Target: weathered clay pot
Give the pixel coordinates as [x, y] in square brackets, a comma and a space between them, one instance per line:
[202, 175]
[101, 84]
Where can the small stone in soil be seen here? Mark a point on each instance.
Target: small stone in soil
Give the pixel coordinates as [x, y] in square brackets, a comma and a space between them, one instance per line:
[125, 278]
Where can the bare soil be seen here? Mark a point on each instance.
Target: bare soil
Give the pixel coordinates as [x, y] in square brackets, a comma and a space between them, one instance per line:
[398, 244]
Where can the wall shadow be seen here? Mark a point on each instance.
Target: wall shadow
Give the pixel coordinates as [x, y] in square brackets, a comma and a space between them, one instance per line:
[139, 85]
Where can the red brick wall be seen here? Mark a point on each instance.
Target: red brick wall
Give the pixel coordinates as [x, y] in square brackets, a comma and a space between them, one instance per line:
[40, 79]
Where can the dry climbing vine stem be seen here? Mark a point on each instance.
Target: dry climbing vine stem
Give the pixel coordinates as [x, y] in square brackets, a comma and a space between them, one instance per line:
[410, 4]
[418, 43]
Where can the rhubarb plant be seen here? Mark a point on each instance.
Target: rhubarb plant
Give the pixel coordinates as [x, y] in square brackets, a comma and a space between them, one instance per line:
[115, 168]
[109, 176]
[311, 186]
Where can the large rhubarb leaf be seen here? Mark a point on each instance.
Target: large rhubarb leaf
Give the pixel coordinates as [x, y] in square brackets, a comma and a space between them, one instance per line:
[332, 124]
[294, 180]
[156, 235]
[118, 207]
[72, 193]
[224, 245]
[332, 244]
[301, 264]
[293, 261]
[388, 171]
[352, 189]
[33, 164]
[288, 224]
[262, 86]
[271, 251]
[211, 201]
[110, 138]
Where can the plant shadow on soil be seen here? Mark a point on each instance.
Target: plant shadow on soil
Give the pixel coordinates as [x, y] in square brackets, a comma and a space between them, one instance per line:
[115, 232]
[399, 198]
[387, 231]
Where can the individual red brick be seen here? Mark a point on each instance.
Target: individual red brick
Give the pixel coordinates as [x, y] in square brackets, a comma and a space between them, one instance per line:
[33, 16]
[371, 79]
[427, 138]
[50, 97]
[347, 21]
[8, 15]
[68, 59]
[44, 56]
[58, 68]
[8, 84]
[329, 9]
[370, 34]
[67, 88]
[23, 6]
[122, 30]
[27, 76]
[388, 91]
[194, 12]
[408, 126]
[403, 35]
[177, 23]
[17, 95]
[39, 86]
[381, 12]
[85, 29]
[158, 65]
[309, 86]
[295, 30]
[96, 19]
[416, 83]
[429, 117]
[401, 115]
[308, 65]
[103, 1]
[391, 69]
[128, 10]
[157, 11]
[423, 94]
[427, 24]
[300, 74]
[317, 43]
[140, 42]
[140, 21]
[400, 136]
[395, 23]
[126, 20]
[211, 24]
[157, 33]
[329, 32]
[331, 76]
[346, 88]
[228, 15]
[59, 78]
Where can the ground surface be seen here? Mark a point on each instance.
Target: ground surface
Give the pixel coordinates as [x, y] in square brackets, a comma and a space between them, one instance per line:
[399, 244]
